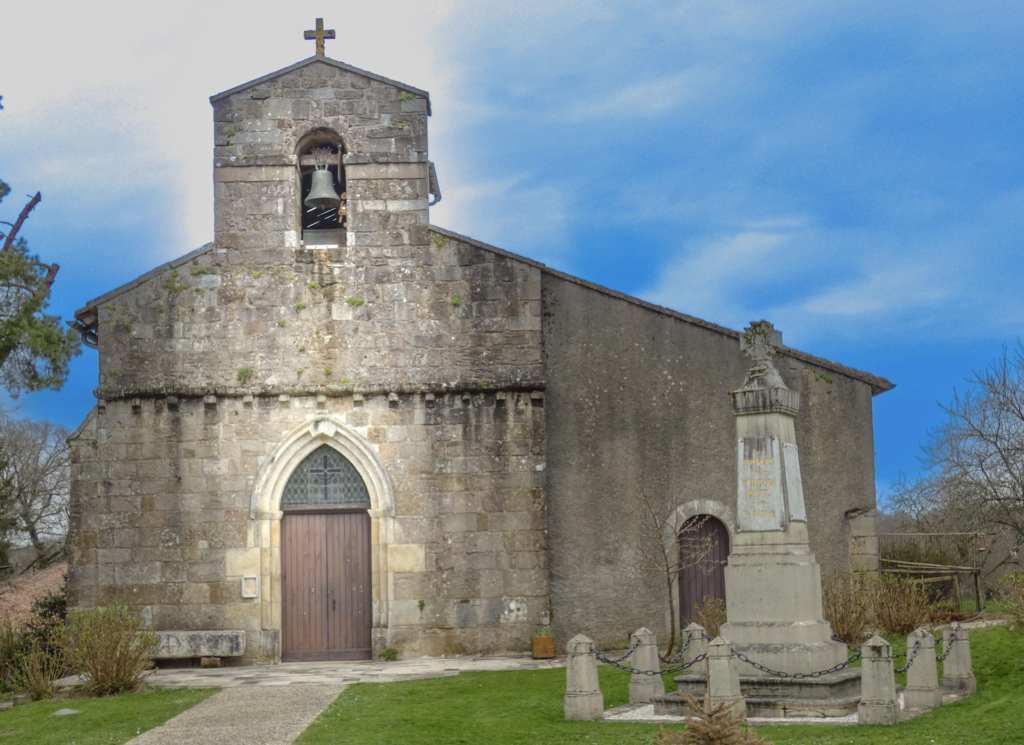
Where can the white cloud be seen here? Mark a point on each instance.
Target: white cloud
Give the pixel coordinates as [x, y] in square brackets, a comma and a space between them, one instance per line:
[709, 281]
[513, 213]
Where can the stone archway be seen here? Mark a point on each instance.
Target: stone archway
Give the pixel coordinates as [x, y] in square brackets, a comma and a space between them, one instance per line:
[266, 513]
[717, 517]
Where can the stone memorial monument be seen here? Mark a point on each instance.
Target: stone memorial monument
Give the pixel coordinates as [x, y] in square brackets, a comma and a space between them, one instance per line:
[772, 580]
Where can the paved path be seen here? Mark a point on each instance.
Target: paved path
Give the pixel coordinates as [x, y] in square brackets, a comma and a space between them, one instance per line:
[253, 716]
[273, 704]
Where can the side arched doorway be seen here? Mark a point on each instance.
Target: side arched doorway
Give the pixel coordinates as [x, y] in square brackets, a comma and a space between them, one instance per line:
[326, 591]
[707, 535]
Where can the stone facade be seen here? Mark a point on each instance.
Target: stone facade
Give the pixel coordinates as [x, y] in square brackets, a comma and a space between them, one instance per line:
[501, 414]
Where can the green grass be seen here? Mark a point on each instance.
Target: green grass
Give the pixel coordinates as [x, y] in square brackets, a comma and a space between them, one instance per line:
[525, 706]
[106, 721]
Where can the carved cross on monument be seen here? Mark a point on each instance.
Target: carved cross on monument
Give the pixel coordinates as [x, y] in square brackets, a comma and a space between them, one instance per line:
[319, 34]
[760, 342]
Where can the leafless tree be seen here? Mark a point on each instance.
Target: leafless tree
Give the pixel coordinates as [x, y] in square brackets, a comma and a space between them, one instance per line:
[667, 549]
[35, 478]
[975, 458]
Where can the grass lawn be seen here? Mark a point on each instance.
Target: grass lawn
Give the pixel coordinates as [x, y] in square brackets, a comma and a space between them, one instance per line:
[110, 721]
[526, 707]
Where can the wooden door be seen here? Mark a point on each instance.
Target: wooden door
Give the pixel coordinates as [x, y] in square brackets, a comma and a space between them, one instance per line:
[325, 579]
[708, 576]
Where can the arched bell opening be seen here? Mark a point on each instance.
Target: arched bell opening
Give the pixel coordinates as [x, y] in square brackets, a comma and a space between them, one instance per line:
[323, 202]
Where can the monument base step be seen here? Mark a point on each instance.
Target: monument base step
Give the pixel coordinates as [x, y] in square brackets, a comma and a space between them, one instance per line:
[833, 695]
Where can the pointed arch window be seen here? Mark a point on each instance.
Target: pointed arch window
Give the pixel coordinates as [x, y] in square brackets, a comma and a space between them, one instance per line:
[325, 479]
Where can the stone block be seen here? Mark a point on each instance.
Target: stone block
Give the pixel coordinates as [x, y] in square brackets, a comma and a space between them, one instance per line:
[409, 557]
[178, 645]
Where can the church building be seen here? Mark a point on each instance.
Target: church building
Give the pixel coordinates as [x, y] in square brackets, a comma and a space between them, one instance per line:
[337, 429]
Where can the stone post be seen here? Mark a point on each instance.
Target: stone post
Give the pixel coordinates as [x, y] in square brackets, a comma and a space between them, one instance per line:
[878, 702]
[643, 686]
[583, 698]
[957, 670]
[723, 676]
[698, 645]
[922, 691]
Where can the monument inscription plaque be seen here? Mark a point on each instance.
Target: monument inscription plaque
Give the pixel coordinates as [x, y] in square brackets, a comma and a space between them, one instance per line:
[794, 483]
[760, 500]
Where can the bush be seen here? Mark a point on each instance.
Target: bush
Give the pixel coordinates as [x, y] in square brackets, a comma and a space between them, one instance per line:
[1011, 592]
[711, 614]
[846, 605]
[38, 666]
[12, 645]
[900, 605]
[51, 612]
[109, 648]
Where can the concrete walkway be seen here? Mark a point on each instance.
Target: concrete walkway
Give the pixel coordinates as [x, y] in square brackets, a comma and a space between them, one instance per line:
[274, 704]
[254, 716]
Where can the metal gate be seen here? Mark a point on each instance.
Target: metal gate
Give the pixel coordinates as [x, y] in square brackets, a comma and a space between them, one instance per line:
[707, 577]
[325, 577]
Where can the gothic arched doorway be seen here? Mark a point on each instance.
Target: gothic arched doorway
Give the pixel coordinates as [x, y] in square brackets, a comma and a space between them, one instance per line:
[708, 537]
[326, 599]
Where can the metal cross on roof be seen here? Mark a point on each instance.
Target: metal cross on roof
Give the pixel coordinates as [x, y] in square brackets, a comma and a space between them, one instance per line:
[319, 34]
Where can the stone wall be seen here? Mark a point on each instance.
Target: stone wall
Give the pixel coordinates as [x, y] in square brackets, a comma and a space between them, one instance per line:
[446, 315]
[163, 495]
[638, 400]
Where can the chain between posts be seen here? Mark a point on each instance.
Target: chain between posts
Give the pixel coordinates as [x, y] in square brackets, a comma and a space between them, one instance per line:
[800, 676]
[617, 660]
[944, 655]
[679, 656]
[616, 663]
[910, 658]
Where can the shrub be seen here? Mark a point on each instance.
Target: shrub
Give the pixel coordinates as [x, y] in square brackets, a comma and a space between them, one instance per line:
[12, 644]
[109, 648]
[41, 663]
[900, 605]
[389, 655]
[710, 724]
[711, 614]
[1011, 592]
[846, 605]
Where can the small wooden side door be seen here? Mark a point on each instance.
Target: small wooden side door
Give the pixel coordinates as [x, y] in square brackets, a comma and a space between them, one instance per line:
[708, 577]
[325, 580]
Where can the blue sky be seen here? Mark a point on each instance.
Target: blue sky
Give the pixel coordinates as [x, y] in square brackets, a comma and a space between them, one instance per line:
[851, 171]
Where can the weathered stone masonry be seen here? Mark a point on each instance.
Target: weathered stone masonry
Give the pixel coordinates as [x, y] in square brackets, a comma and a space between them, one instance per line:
[483, 398]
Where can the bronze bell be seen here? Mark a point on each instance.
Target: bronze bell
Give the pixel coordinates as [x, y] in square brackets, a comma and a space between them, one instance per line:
[321, 192]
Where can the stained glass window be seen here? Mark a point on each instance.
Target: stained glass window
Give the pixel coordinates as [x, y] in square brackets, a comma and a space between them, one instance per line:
[325, 478]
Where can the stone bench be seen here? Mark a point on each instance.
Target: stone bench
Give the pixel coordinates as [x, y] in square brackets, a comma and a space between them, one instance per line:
[205, 645]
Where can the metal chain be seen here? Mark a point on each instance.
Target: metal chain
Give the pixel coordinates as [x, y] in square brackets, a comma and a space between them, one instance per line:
[679, 656]
[634, 671]
[800, 676]
[944, 655]
[603, 658]
[910, 658]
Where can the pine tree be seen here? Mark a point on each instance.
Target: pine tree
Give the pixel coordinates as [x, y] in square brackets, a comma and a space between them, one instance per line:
[710, 724]
[35, 348]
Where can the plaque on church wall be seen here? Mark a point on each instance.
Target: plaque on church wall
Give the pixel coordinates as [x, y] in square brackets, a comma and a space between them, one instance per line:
[760, 504]
[794, 484]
